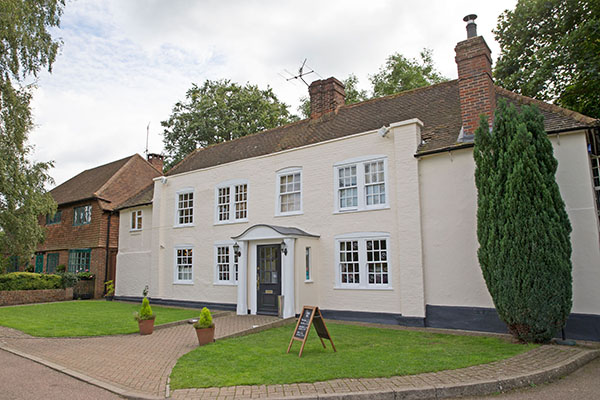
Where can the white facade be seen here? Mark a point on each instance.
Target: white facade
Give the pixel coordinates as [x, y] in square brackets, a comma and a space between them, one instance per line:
[424, 226]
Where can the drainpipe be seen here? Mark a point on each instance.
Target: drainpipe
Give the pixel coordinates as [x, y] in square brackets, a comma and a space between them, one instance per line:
[107, 243]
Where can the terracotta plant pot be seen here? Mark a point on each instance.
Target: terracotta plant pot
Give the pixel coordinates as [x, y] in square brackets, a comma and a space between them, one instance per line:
[205, 335]
[146, 326]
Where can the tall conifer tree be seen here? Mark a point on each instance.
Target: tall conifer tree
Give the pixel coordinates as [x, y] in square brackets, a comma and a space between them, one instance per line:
[522, 226]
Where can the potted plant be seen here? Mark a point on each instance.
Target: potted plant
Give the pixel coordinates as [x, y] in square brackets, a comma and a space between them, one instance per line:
[145, 318]
[110, 290]
[205, 328]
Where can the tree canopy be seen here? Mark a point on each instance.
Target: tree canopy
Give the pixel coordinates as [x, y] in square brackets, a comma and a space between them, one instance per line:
[218, 111]
[26, 46]
[522, 225]
[396, 75]
[550, 50]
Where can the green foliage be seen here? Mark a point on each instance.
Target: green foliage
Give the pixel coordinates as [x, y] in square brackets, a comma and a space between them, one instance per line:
[522, 226]
[550, 50]
[400, 73]
[219, 111]
[109, 286]
[145, 312]
[205, 320]
[362, 352]
[29, 281]
[83, 318]
[68, 279]
[61, 268]
[26, 46]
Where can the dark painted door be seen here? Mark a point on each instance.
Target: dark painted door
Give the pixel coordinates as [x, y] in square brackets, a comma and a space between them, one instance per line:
[269, 278]
[39, 263]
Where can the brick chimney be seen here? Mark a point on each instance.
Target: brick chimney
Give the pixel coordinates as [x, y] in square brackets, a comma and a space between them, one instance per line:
[326, 95]
[475, 84]
[156, 160]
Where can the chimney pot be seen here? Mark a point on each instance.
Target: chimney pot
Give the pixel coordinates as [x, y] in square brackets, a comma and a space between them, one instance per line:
[326, 95]
[471, 25]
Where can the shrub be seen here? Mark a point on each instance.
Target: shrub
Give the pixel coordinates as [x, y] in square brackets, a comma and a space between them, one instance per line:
[110, 288]
[522, 226]
[68, 279]
[205, 320]
[29, 281]
[145, 312]
[61, 268]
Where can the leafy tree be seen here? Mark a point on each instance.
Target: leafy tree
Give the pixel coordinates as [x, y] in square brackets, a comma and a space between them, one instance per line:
[218, 111]
[353, 95]
[550, 50]
[522, 226]
[26, 47]
[400, 73]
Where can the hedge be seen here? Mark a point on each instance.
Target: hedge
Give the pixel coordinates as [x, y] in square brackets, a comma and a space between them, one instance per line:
[29, 281]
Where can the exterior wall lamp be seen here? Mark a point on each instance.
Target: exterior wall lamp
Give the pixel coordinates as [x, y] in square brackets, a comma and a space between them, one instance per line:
[236, 249]
[283, 248]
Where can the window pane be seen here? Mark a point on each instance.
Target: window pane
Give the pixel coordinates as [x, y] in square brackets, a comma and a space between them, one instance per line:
[185, 208]
[377, 261]
[184, 264]
[290, 189]
[349, 266]
[241, 201]
[223, 273]
[374, 183]
[348, 190]
[223, 204]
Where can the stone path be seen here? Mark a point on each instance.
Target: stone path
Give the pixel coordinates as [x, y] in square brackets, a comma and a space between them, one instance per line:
[130, 362]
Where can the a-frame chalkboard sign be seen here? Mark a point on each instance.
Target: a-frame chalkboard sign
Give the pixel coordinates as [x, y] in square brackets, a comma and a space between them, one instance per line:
[310, 316]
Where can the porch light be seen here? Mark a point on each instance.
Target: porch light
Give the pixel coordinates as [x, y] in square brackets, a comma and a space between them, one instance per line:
[236, 249]
[283, 248]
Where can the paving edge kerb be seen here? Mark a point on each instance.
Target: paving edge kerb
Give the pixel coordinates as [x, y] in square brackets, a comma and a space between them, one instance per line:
[478, 388]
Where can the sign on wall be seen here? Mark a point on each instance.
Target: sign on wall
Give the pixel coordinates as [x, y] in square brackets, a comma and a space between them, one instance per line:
[310, 316]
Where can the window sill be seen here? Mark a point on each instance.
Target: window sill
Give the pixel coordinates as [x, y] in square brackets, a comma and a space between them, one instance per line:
[183, 226]
[356, 210]
[135, 231]
[183, 283]
[309, 281]
[386, 288]
[289, 214]
[237, 221]
[224, 284]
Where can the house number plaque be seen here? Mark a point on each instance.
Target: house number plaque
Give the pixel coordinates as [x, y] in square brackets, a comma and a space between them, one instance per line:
[310, 316]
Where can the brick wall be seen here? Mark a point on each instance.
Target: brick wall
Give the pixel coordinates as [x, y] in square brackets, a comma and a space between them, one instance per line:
[13, 297]
[325, 96]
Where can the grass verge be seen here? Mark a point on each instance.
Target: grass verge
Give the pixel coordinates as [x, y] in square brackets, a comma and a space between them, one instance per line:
[83, 318]
[362, 352]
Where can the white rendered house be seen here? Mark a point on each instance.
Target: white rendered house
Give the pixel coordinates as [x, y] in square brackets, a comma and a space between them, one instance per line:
[366, 210]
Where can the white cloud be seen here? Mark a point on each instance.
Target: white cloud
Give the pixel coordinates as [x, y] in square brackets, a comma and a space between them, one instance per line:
[124, 64]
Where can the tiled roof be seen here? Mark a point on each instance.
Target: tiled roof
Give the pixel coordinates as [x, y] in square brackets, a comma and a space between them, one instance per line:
[143, 197]
[111, 183]
[437, 106]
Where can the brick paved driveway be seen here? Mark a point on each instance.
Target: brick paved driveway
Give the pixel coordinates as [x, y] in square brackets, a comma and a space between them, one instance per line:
[131, 362]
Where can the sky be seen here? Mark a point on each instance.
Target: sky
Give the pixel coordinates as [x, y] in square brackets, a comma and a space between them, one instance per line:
[124, 64]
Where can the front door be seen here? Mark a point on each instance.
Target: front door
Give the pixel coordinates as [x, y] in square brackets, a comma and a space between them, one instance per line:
[268, 277]
[39, 263]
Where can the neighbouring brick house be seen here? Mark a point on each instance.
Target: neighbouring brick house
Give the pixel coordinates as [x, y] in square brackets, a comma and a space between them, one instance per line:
[84, 232]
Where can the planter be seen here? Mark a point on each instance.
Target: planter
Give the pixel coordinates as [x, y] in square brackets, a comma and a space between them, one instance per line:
[205, 335]
[84, 289]
[146, 326]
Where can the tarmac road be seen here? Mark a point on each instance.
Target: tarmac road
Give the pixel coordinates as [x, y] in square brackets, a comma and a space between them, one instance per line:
[24, 379]
[582, 384]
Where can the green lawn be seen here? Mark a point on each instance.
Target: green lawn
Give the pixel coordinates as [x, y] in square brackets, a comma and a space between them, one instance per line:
[361, 352]
[84, 318]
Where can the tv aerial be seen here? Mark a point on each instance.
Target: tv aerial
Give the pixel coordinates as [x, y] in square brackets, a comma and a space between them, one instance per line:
[302, 72]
